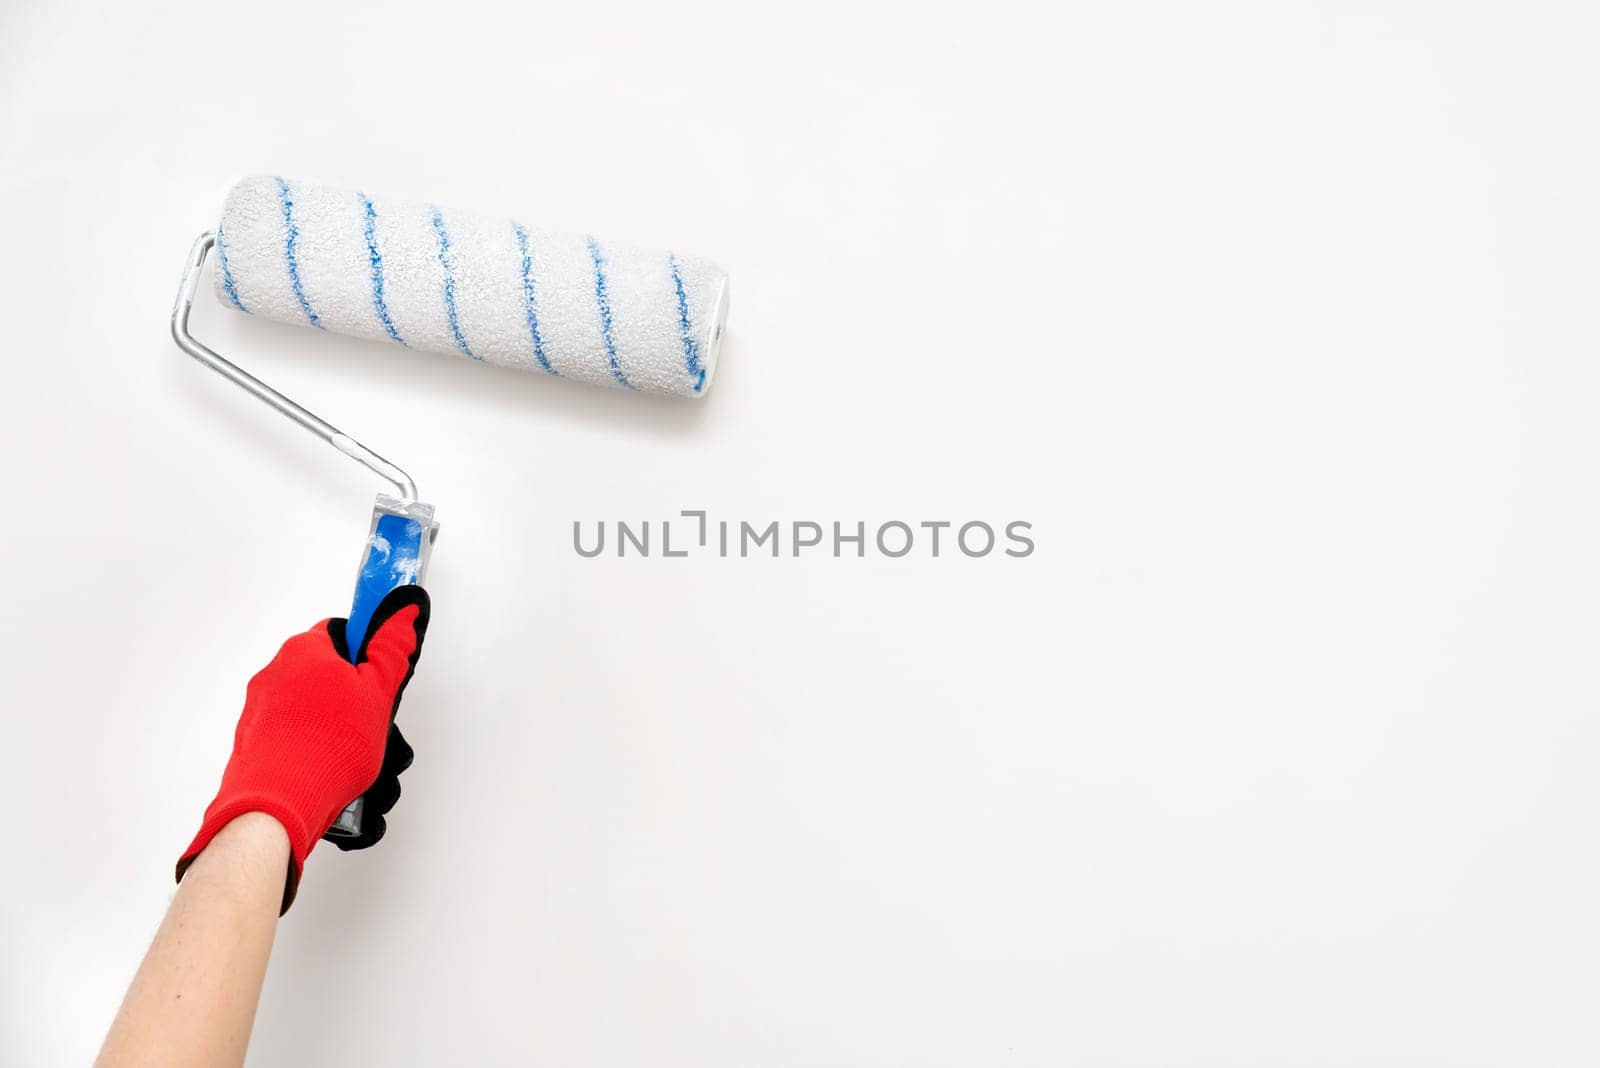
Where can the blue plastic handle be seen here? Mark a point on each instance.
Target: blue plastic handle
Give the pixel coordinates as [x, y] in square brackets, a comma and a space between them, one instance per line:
[394, 558]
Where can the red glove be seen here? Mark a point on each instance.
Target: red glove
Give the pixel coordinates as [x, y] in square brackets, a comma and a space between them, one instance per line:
[317, 731]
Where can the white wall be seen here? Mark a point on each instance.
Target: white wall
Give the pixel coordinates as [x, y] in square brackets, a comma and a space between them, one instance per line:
[1275, 320]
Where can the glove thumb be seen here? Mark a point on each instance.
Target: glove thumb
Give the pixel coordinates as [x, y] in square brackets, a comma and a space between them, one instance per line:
[393, 642]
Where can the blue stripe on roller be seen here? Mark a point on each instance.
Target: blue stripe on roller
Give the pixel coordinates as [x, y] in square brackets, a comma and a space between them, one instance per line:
[450, 285]
[604, 304]
[377, 270]
[691, 347]
[291, 237]
[227, 276]
[527, 296]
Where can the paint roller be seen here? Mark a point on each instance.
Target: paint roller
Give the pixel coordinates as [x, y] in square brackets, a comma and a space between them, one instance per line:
[482, 287]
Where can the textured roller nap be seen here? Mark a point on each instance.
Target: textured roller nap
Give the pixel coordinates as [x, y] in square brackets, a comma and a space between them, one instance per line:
[481, 286]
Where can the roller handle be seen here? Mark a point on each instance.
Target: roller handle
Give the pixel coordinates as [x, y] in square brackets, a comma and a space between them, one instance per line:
[395, 555]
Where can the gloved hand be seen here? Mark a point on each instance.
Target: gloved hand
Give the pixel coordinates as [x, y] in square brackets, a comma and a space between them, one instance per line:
[318, 731]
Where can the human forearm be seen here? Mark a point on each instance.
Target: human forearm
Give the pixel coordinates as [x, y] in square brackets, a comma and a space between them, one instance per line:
[317, 730]
[194, 998]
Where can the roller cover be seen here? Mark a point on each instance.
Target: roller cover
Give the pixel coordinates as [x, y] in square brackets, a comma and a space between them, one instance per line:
[483, 287]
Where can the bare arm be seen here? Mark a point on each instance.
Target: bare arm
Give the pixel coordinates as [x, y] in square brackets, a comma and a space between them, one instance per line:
[194, 999]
